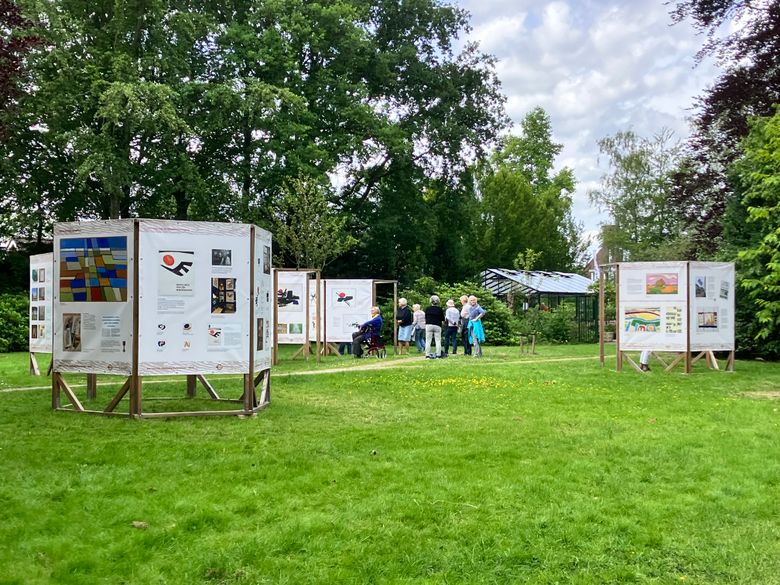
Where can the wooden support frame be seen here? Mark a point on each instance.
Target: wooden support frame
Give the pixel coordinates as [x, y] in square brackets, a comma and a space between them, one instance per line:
[132, 386]
[687, 356]
[395, 305]
[305, 348]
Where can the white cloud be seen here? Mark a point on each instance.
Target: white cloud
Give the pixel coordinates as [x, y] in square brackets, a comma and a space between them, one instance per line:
[596, 67]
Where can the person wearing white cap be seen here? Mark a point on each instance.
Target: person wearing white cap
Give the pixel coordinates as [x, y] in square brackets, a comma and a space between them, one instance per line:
[404, 318]
[451, 322]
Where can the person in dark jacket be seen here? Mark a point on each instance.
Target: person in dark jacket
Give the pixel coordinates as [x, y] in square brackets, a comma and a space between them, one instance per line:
[434, 317]
[404, 318]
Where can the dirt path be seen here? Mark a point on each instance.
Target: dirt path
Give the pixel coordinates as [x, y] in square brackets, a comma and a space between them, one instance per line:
[413, 362]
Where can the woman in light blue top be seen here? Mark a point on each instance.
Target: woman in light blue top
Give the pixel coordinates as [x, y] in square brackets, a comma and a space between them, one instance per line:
[475, 326]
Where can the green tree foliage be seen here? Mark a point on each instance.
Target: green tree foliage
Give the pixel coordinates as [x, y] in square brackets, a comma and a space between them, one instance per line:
[205, 111]
[307, 230]
[14, 317]
[636, 193]
[524, 204]
[15, 43]
[759, 173]
[748, 86]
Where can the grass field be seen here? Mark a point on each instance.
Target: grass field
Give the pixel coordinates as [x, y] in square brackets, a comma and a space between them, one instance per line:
[511, 469]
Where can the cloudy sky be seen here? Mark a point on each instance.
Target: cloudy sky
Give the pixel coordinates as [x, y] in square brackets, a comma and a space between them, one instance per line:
[596, 67]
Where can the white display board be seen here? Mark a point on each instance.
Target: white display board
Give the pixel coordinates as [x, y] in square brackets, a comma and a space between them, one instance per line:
[345, 302]
[712, 306]
[93, 301]
[264, 300]
[292, 312]
[196, 296]
[194, 288]
[660, 307]
[653, 305]
[41, 279]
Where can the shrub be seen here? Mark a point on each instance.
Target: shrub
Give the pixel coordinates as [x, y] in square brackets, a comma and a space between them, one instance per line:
[555, 326]
[14, 313]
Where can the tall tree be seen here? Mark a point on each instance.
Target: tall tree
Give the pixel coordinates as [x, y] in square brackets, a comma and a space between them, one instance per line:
[15, 42]
[179, 109]
[525, 204]
[758, 172]
[748, 86]
[636, 193]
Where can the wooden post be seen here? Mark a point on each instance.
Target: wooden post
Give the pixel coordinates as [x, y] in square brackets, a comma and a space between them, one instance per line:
[275, 348]
[55, 390]
[249, 378]
[136, 403]
[191, 385]
[318, 316]
[688, 360]
[91, 386]
[395, 325]
[602, 317]
[34, 370]
[306, 347]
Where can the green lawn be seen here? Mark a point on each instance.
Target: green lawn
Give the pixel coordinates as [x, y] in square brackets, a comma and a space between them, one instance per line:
[511, 469]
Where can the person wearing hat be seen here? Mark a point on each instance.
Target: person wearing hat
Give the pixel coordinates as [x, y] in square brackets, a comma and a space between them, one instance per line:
[451, 322]
[434, 317]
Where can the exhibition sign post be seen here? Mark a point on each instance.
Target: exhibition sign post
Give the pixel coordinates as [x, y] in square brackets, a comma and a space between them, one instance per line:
[40, 315]
[156, 298]
[685, 308]
[297, 310]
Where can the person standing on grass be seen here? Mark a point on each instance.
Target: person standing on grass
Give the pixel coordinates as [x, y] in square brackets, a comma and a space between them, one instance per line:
[644, 360]
[404, 319]
[419, 327]
[451, 322]
[475, 326]
[464, 324]
[434, 317]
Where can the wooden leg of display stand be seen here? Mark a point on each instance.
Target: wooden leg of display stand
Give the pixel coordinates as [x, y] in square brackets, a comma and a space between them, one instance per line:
[297, 353]
[633, 364]
[192, 382]
[619, 365]
[674, 362]
[730, 362]
[34, 370]
[698, 357]
[119, 395]
[713, 360]
[659, 358]
[265, 394]
[533, 344]
[136, 400]
[71, 395]
[208, 387]
[51, 367]
[55, 390]
[91, 386]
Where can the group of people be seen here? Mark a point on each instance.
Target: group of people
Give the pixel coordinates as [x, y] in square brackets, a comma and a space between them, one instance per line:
[427, 327]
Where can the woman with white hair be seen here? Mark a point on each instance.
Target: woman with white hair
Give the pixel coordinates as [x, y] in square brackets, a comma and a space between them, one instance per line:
[434, 317]
[404, 318]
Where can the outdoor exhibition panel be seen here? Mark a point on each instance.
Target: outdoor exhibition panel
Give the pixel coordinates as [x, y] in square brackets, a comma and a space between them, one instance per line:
[93, 299]
[264, 301]
[292, 306]
[712, 306]
[41, 279]
[344, 303]
[653, 303]
[194, 284]
[155, 297]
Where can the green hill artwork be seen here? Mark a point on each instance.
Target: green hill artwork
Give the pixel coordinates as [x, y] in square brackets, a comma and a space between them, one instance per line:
[662, 284]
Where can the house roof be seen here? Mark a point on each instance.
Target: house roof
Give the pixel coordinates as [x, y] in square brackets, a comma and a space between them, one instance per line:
[502, 281]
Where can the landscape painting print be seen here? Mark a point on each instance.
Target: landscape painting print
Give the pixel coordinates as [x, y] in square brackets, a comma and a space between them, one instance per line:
[642, 319]
[93, 269]
[662, 283]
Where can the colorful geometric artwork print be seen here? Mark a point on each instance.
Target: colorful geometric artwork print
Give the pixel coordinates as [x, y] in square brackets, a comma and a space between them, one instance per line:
[643, 319]
[93, 269]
